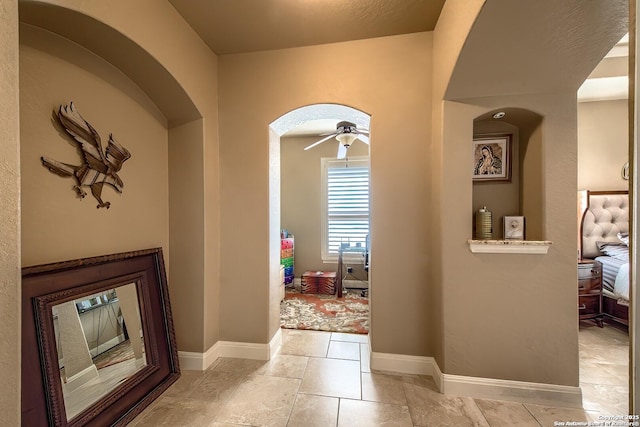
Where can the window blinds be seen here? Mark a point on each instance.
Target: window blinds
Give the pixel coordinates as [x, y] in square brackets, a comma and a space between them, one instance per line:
[347, 204]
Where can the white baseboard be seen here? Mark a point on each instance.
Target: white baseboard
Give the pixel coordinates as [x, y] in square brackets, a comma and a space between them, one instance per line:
[81, 378]
[193, 361]
[481, 388]
[514, 391]
[404, 364]
[107, 345]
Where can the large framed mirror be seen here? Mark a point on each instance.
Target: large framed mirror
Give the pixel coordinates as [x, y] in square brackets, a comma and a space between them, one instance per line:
[98, 343]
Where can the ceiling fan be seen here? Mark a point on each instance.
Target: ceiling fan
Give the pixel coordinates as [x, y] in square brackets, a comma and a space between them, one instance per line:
[346, 133]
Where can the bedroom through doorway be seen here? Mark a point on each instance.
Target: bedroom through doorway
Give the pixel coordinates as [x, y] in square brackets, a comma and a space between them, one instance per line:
[324, 218]
[603, 235]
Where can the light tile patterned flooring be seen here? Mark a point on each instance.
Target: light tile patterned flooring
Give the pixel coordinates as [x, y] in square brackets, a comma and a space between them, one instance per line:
[324, 379]
[604, 368]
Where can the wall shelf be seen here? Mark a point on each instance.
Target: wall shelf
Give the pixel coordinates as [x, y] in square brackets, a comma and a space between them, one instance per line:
[536, 247]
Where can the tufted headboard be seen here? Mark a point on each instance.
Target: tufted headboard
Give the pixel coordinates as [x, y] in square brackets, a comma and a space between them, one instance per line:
[606, 215]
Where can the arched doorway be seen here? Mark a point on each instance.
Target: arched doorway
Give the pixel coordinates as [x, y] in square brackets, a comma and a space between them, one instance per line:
[299, 194]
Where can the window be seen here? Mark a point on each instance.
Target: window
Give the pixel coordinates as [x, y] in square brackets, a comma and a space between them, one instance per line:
[345, 199]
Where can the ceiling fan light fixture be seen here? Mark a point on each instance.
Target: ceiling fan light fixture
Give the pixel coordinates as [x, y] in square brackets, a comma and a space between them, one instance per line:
[346, 139]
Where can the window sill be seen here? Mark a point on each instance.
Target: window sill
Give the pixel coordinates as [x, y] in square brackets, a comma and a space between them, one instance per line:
[536, 247]
[347, 258]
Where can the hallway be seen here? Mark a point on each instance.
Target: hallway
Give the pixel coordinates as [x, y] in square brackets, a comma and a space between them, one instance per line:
[324, 379]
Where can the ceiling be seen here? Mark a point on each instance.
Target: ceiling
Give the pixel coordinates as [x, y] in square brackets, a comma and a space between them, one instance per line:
[241, 26]
[609, 80]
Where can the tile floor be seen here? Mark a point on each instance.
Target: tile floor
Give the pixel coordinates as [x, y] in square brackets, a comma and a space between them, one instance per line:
[604, 368]
[324, 379]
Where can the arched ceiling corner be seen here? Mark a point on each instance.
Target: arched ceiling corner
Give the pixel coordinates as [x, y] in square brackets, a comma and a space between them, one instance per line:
[120, 51]
[546, 46]
[318, 118]
[520, 117]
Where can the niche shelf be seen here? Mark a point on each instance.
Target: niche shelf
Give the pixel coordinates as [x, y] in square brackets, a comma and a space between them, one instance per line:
[535, 247]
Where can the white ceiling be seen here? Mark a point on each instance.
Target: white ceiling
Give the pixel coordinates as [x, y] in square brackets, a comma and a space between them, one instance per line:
[609, 81]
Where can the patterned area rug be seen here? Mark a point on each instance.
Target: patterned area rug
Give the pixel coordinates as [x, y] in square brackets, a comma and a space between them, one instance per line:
[117, 354]
[349, 314]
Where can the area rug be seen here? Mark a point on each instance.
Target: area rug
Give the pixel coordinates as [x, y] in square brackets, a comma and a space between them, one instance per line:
[118, 354]
[349, 314]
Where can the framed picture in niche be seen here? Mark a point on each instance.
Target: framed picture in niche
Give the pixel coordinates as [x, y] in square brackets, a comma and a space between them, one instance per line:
[492, 158]
[514, 228]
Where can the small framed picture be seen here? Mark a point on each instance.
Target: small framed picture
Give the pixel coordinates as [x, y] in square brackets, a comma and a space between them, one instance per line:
[492, 158]
[514, 228]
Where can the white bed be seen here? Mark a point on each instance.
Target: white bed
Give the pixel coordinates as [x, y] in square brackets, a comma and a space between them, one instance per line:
[603, 228]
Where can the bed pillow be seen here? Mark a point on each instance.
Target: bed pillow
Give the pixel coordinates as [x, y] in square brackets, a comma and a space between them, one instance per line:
[624, 238]
[614, 250]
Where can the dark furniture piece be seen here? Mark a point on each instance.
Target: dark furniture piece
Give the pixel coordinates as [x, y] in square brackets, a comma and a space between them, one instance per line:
[319, 282]
[590, 290]
[51, 289]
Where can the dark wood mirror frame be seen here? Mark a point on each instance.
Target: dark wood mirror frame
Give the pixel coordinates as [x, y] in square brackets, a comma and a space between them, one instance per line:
[46, 285]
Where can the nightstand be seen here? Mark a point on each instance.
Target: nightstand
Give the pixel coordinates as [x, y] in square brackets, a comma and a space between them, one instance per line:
[590, 290]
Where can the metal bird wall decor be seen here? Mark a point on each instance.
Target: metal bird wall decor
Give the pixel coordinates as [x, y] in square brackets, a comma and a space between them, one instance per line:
[99, 166]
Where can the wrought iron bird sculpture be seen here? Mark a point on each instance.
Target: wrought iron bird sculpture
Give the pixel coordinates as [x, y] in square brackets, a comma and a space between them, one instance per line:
[99, 167]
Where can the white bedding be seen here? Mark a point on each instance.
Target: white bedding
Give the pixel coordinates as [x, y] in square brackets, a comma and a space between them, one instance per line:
[621, 285]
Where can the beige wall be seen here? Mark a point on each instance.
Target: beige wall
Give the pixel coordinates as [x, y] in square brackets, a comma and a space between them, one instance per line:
[390, 80]
[490, 315]
[185, 166]
[501, 198]
[10, 294]
[178, 74]
[603, 144]
[456, 20]
[490, 305]
[301, 199]
[427, 307]
[56, 224]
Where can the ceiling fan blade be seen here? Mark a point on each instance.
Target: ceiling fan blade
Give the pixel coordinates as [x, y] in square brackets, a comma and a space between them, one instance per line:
[342, 151]
[365, 131]
[363, 138]
[321, 141]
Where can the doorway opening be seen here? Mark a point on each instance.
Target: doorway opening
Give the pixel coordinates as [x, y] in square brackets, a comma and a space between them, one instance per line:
[323, 216]
[603, 153]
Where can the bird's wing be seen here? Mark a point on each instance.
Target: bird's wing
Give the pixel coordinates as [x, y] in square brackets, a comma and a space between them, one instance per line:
[116, 154]
[85, 134]
[62, 169]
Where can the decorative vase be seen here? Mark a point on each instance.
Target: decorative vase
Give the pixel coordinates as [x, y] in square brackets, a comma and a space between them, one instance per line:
[484, 230]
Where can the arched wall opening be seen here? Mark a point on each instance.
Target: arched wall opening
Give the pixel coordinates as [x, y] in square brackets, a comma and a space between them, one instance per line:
[171, 178]
[520, 195]
[492, 284]
[278, 129]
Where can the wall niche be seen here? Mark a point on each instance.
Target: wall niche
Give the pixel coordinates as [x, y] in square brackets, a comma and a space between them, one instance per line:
[521, 194]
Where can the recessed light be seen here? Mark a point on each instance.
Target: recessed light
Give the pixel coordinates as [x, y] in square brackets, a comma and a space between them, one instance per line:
[499, 115]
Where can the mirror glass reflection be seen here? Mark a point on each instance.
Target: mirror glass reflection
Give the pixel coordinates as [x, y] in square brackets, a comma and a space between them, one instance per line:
[100, 344]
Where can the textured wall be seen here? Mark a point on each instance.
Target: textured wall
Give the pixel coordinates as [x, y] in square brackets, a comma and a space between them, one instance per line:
[603, 144]
[390, 79]
[57, 225]
[9, 216]
[178, 73]
[489, 321]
